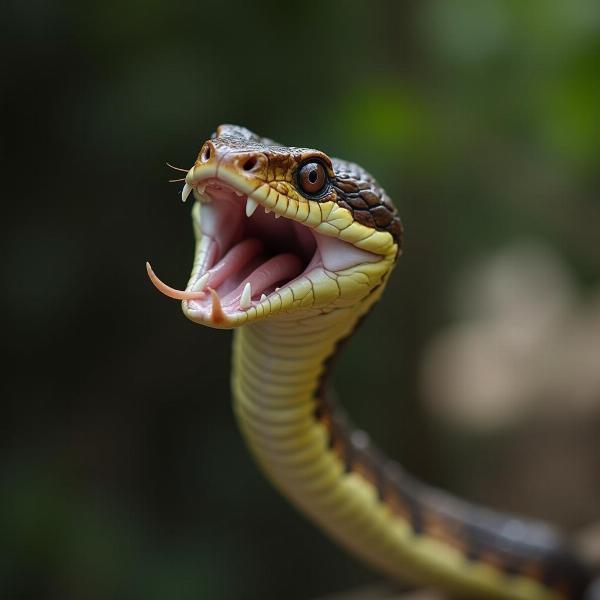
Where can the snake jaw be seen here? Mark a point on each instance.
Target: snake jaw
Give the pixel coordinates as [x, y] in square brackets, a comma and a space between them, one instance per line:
[263, 249]
[256, 266]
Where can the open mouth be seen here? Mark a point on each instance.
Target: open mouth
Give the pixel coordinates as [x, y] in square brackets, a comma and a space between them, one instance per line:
[249, 255]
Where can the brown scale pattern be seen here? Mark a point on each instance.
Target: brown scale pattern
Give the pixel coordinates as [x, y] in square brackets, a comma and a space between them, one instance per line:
[352, 187]
[359, 192]
[404, 496]
[394, 489]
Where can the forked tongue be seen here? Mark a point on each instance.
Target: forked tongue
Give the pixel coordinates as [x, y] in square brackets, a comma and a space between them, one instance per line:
[172, 292]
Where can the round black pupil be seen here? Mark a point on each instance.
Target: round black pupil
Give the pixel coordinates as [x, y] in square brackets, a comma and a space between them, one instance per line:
[313, 175]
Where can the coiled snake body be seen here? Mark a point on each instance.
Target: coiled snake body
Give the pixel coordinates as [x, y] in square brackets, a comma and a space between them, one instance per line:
[295, 287]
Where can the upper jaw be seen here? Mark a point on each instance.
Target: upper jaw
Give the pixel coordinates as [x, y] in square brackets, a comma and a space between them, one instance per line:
[198, 175]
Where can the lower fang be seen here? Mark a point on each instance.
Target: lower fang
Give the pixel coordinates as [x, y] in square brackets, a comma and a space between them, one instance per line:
[245, 300]
[262, 297]
[217, 315]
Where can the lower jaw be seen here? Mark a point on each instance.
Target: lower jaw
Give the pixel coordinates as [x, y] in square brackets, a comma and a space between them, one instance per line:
[260, 283]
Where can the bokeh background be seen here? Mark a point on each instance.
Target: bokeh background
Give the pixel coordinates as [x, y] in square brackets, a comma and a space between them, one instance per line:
[122, 474]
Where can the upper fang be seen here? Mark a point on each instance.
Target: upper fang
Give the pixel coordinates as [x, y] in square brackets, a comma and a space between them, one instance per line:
[251, 206]
[186, 191]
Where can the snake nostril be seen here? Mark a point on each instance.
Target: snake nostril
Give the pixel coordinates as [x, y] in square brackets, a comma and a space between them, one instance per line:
[206, 152]
[249, 164]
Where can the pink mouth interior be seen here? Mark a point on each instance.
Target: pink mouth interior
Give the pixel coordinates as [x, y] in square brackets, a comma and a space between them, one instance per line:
[263, 251]
[260, 249]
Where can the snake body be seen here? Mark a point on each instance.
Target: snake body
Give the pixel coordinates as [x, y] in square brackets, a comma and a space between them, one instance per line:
[313, 292]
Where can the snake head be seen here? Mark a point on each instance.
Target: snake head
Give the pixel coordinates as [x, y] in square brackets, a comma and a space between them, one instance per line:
[282, 232]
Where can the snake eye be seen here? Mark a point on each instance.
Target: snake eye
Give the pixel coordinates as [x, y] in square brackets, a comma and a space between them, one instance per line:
[312, 178]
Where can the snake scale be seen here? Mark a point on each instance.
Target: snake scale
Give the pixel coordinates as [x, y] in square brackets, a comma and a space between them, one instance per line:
[293, 248]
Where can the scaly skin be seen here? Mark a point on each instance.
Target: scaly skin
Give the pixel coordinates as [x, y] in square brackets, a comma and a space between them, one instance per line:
[281, 359]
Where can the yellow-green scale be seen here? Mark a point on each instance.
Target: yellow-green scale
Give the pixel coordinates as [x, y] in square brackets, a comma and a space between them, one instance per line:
[277, 366]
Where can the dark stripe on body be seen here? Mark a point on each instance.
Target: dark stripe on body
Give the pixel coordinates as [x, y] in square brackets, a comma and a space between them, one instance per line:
[480, 534]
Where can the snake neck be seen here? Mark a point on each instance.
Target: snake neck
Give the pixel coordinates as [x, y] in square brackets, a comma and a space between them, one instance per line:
[365, 501]
[279, 365]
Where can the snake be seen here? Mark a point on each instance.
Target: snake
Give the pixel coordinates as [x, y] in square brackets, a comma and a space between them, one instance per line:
[293, 249]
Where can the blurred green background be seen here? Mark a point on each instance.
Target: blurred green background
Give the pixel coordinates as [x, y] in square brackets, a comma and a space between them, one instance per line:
[122, 474]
